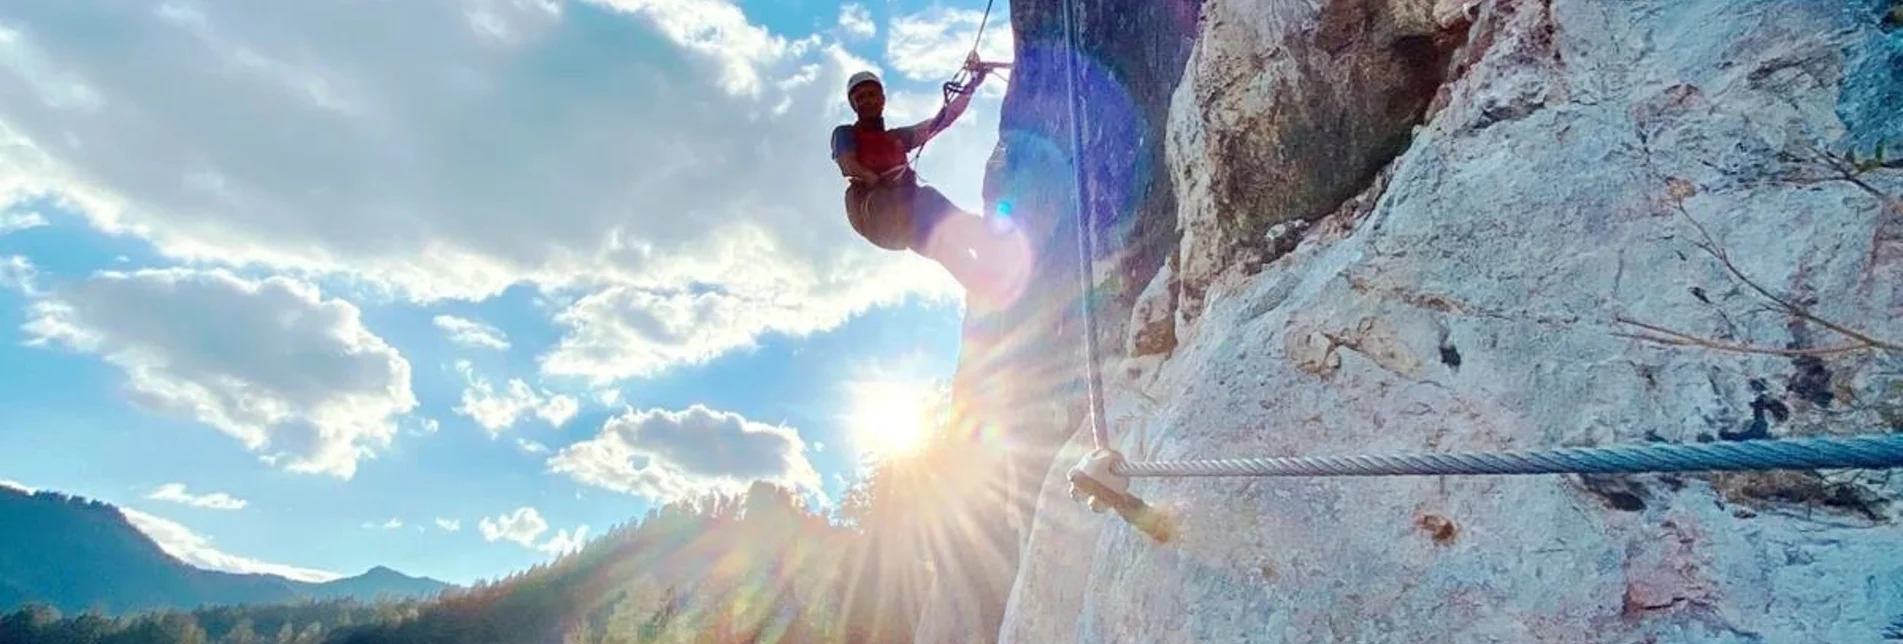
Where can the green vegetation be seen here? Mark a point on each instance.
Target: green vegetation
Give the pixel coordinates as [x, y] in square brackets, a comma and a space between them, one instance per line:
[756, 567]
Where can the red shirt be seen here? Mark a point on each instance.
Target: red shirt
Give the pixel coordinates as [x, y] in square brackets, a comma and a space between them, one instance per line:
[877, 150]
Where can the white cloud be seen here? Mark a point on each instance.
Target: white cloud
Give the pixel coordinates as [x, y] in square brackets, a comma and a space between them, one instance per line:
[626, 332]
[471, 333]
[521, 526]
[18, 221]
[531, 447]
[449, 525]
[669, 455]
[195, 549]
[565, 542]
[931, 45]
[509, 22]
[284, 138]
[17, 273]
[175, 493]
[392, 524]
[525, 525]
[717, 29]
[497, 411]
[855, 20]
[52, 83]
[290, 373]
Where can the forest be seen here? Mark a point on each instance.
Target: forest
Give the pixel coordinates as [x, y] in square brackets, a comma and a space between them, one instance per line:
[755, 566]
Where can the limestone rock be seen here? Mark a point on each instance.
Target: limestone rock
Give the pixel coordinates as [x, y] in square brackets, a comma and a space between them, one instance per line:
[1285, 110]
[1153, 320]
[1585, 165]
[1021, 369]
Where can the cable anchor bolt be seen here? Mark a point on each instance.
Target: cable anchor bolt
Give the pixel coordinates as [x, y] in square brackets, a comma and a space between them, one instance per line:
[1095, 483]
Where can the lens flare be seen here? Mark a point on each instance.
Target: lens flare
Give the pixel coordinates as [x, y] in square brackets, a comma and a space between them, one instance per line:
[889, 419]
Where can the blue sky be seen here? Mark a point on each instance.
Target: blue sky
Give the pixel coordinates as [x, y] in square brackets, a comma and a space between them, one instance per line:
[449, 285]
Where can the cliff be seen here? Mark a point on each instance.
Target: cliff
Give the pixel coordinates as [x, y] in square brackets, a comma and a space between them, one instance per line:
[1338, 227]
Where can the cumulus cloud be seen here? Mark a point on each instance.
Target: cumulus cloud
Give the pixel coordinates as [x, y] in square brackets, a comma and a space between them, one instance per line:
[290, 373]
[175, 493]
[717, 30]
[626, 332]
[608, 397]
[565, 542]
[392, 524]
[17, 273]
[471, 333]
[680, 150]
[855, 20]
[195, 549]
[17, 221]
[44, 77]
[508, 22]
[676, 454]
[497, 411]
[521, 526]
[450, 525]
[932, 44]
[525, 525]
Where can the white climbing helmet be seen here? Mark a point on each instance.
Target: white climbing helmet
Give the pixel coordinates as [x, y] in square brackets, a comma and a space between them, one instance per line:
[861, 77]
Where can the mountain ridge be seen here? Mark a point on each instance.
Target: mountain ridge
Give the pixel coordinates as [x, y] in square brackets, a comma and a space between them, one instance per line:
[77, 554]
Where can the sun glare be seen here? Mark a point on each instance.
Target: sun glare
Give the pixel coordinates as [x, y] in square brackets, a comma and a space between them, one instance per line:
[889, 419]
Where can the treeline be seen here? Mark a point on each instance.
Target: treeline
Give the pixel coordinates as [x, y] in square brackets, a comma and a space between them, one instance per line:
[294, 623]
[759, 566]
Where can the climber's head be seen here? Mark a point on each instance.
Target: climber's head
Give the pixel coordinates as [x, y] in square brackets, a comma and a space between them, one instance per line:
[866, 95]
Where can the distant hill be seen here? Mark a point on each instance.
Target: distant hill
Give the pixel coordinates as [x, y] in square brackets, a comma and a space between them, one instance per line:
[375, 582]
[74, 554]
[762, 565]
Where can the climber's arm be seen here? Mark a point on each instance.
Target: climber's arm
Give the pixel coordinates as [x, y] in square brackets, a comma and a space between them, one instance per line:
[918, 133]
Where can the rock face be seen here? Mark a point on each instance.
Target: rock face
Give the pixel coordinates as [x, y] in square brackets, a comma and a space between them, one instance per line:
[1289, 108]
[1516, 216]
[1020, 383]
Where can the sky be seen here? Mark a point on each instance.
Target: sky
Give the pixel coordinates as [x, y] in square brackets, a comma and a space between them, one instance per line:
[454, 285]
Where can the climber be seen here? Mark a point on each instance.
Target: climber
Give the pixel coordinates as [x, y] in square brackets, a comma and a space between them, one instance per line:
[886, 204]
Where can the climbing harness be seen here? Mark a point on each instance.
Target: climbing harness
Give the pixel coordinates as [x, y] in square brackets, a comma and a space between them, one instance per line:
[1101, 478]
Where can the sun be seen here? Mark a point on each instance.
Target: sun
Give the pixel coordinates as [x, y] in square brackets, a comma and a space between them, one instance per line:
[890, 419]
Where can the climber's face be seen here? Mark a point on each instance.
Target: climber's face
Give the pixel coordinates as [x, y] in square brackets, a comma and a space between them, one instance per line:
[868, 99]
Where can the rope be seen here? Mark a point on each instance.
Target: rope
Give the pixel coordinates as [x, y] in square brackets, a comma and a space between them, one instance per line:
[982, 22]
[1085, 265]
[957, 81]
[1868, 451]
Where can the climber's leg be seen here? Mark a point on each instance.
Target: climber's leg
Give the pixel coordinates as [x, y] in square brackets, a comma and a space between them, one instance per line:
[992, 263]
[986, 262]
